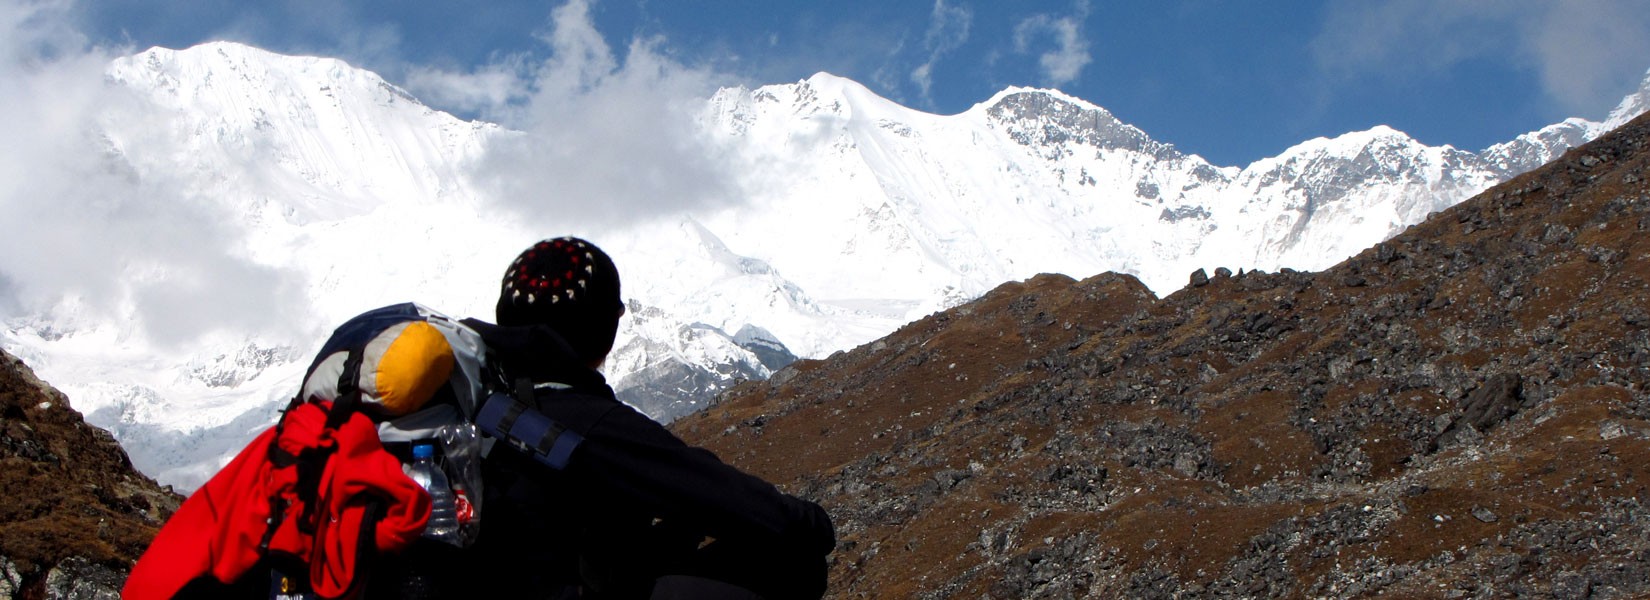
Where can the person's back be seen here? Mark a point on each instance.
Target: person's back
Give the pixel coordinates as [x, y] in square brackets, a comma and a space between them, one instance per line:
[628, 510]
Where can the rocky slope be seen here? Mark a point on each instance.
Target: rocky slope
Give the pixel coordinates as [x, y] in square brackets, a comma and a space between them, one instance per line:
[74, 515]
[1462, 411]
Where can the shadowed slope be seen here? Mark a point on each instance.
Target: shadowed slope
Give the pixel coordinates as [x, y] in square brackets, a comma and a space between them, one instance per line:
[1460, 411]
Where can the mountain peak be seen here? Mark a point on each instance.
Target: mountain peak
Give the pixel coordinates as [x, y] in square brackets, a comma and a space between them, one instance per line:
[223, 63]
[233, 51]
[1633, 105]
[1036, 117]
[310, 121]
[829, 81]
[820, 94]
[851, 98]
[1053, 94]
[1380, 138]
[1379, 134]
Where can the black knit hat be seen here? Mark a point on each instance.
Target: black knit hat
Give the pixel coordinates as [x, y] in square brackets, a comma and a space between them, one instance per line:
[570, 285]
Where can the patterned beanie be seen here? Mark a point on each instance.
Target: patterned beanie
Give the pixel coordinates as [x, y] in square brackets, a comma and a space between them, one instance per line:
[570, 285]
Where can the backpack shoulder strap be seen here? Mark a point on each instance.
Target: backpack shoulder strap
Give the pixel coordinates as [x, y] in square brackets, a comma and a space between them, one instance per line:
[349, 391]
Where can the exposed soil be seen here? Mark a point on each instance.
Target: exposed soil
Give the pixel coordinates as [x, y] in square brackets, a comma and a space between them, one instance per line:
[1460, 412]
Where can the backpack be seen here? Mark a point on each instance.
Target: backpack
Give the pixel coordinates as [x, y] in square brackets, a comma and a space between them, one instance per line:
[422, 376]
[314, 499]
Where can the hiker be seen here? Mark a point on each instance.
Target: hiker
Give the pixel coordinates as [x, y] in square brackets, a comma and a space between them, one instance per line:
[628, 510]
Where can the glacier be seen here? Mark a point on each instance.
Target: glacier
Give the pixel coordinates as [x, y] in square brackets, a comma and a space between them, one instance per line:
[855, 215]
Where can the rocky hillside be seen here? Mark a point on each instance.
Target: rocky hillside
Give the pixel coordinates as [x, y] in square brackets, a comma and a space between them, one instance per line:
[74, 515]
[1460, 412]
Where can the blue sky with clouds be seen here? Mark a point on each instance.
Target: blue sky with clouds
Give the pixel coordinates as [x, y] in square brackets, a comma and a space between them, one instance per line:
[1232, 81]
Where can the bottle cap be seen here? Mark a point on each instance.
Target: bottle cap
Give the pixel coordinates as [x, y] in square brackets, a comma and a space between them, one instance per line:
[423, 451]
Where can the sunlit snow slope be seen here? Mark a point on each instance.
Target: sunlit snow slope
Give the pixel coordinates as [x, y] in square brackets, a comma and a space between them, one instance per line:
[859, 215]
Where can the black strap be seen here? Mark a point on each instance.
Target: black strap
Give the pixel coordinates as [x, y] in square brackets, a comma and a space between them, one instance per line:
[512, 412]
[279, 458]
[524, 395]
[349, 391]
[277, 513]
[547, 442]
[312, 462]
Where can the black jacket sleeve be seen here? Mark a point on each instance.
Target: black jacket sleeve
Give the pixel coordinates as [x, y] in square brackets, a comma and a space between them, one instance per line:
[638, 459]
[631, 478]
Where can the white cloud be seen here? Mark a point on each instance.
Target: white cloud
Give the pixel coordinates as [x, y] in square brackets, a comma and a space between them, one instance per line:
[923, 76]
[1587, 53]
[85, 228]
[1064, 62]
[947, 30]
[1428, 35]
[1590, 57]
[608, 140]
[889, 75]
[485, 91]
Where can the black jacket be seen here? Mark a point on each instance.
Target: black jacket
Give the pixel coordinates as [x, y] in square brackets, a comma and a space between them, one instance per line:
[634, 503]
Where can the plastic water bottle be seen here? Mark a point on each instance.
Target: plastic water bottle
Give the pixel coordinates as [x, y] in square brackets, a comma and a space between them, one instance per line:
[443, 524]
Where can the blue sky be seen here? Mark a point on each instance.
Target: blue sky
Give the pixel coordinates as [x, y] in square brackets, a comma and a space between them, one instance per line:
[1232, 81]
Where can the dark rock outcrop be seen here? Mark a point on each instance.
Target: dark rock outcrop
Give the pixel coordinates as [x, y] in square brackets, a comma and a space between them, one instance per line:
[74, 515]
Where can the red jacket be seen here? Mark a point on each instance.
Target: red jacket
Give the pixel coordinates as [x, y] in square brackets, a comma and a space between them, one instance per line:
[219, 530]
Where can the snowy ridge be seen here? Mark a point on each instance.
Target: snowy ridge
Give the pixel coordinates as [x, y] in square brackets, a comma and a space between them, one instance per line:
[1537, 148]
[330, 128]
[861, 215]
[1635, 104]
[1326, 199]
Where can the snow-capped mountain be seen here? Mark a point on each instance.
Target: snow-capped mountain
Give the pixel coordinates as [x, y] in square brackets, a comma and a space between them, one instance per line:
[858, 215]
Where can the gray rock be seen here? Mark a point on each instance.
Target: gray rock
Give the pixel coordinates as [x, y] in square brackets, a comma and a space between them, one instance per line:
[79, 579]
